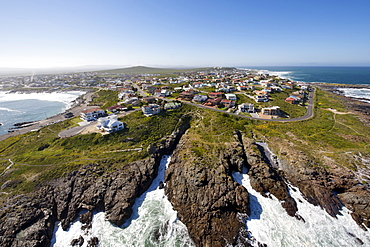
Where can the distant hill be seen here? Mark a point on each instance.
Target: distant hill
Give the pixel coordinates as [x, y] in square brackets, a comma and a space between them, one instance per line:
[149, 70]
[56, 70]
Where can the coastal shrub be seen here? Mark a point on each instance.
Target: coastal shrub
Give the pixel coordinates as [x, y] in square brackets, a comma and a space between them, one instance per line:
[105, 98]
[43, 146]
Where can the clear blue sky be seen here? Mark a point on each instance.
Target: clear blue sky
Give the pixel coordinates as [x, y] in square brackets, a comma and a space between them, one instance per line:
[172, 33]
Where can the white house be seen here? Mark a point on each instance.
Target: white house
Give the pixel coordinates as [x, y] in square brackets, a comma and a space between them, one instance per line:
[230, 96]
[151, 109]
[272, 110]
[110, 124]
[200, 98]
[261, 98]
[245, 107]
[92, 114]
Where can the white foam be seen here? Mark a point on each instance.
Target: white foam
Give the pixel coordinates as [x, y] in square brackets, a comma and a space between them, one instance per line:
[7, 109]
[359, 93]
[281, 74]
[152, 213]
[270, 224]
[64, 97]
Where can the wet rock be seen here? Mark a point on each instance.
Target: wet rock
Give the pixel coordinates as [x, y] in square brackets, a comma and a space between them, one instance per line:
[206, 197]
[266, 179]
[28, 220]
[329, 189]
[93, 242]
[161, 185]
[78, 241]
[86, 217]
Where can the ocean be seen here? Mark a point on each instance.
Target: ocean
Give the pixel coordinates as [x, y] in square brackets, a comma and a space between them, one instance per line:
[338, 75]
[17, 107]
[154, 223]
[153, 213]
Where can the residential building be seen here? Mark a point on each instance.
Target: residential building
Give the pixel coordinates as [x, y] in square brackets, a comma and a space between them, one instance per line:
[213, 95]
[261, 98]
[272, 111]
[133, 101]
[213, 102]
[149, 100]
[92, 114]
[230, 96]
[293, 99]
[151, 109]
[246, 107]
[228, 103]
[200, 98]
[172, 105]
[186, 95]
[110, 124]
[116, 108]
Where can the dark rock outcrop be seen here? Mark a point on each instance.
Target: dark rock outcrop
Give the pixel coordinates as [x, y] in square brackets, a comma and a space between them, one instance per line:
[28, 220]
[329, 189]
[267, 180]
[206, 198]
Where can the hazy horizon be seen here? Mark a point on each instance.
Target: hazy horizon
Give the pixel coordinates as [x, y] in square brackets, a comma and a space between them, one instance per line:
[165, 33]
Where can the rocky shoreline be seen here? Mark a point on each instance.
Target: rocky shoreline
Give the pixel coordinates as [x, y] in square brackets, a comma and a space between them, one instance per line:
[28, 220]
[355, 105]
[209, 202]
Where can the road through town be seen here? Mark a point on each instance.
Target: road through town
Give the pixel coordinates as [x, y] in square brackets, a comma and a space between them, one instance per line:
[87, 97]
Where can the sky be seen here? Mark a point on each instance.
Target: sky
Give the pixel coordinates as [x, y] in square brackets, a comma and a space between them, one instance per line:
[173, 33]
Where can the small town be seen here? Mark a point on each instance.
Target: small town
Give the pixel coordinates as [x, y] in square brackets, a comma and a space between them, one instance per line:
[184, 123]
[247, 93]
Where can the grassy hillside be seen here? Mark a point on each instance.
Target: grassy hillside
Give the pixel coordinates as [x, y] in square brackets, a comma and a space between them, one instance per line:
[41, 156]
[330, 137]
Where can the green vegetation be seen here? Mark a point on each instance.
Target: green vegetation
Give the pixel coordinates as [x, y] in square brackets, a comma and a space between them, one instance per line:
[335, 136]
[41, 156]
[105, 98]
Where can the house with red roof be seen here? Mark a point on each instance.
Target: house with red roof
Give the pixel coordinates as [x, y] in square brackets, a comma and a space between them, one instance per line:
[92, 114]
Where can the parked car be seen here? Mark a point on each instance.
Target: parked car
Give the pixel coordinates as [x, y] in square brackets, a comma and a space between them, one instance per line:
[68, 115]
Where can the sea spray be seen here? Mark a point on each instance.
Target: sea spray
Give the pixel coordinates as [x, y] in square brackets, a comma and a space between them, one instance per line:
[363, 94]
[270, 224]
[153, 223]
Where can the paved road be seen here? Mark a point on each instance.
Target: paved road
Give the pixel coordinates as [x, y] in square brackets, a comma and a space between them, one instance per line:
[309, 113]
[76, 130]
[87, 97]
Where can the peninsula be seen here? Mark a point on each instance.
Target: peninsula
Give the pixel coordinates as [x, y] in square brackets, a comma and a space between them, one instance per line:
[214, 122]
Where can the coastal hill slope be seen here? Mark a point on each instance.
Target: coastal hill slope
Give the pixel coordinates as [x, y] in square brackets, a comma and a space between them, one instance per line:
[53, 179]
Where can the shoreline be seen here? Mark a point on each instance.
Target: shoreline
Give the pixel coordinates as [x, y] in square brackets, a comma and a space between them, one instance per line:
[77, 105]
[355, 105]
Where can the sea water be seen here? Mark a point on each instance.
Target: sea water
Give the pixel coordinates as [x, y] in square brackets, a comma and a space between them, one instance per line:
[270, 224]
[153, 223]
[18, 107]
[340, 75]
